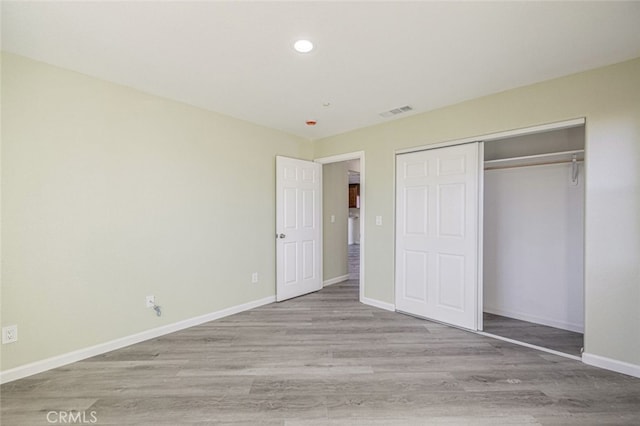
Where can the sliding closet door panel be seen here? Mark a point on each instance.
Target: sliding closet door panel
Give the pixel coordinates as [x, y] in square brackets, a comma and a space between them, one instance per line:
[437, 234]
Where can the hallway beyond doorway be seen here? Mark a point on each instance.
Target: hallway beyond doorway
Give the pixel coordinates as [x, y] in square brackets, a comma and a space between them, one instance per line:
[354, 262]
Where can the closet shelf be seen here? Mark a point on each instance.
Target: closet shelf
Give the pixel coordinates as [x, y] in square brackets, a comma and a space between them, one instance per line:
[535, 160]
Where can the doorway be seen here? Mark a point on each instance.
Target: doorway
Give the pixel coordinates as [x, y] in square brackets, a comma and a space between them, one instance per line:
[353, 225]
[343, 212]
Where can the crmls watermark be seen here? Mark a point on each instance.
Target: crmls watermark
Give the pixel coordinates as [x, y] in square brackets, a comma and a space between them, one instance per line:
[72, 417]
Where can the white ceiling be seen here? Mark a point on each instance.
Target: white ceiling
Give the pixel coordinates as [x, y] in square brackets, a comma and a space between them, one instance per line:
[236, 57]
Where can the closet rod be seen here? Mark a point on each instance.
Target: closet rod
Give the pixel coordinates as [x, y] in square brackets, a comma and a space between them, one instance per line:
[545, 155]
[530, 164]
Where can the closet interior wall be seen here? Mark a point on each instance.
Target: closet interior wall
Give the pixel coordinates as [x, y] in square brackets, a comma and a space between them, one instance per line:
[534, 228]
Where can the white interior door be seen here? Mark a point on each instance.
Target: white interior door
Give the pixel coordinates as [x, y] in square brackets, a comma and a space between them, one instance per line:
[437, 234]
[298, 250]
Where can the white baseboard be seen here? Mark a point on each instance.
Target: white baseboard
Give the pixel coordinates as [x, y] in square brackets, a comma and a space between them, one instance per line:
[68, 358]
[577, 328]
[378, 304]
[611, 364]
[335, 280]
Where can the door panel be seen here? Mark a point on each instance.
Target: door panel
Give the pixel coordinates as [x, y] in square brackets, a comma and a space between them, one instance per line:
[415, 264]
[437, 234]
[451, 210]
[417, 202]
[298, 268]
[451, 290]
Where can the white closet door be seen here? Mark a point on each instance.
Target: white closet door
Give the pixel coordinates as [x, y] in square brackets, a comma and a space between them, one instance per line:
[437, 234]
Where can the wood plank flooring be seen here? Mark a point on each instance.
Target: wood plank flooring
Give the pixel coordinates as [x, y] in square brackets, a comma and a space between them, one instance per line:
[559, 340]
[353, 257]
[326, 359]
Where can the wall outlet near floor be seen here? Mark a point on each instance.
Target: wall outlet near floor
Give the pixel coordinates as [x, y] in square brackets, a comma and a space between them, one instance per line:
[254, 278]
[379, 220]
[150, 301]
[9, 334]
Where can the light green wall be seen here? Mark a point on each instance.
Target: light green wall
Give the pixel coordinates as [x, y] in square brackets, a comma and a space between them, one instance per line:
[335, 201]
[110, 195]
[609, 98]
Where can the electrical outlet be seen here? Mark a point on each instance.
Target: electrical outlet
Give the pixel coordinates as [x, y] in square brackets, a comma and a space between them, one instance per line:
[9, 334]
[150, 301]
[379, 220]
[254, 277]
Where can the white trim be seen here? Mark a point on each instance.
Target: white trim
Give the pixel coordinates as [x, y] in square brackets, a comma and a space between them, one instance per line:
[501, 135]
[321, 224]
[335, 280]
[576, 328]
[611, 364]
[68, 358]
[480, 243]
[357, 155]
[378, 304]
[527, 345]
[340, 157]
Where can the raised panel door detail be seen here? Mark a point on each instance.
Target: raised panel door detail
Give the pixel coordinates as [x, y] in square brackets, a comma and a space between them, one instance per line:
[308, 208]
[416, 204]
[290, 263]
[451, 165]
[415, 265]
[290, 208]
[290, 173]
[451, 210]
[308, 175]
[308, 260]
[416, 169]
[451, 281]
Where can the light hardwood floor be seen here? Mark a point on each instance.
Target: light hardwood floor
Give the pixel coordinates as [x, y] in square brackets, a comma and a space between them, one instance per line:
[354, 261]
[559, 340]
[326, 359]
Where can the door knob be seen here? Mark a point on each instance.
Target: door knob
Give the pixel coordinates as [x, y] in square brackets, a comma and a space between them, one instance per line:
[281, 236]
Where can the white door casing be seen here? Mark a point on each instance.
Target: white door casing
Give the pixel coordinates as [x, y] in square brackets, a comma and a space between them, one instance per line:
[437, 234]
[298, 227]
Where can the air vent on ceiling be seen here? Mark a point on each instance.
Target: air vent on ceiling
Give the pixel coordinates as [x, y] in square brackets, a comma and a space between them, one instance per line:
[396, 111]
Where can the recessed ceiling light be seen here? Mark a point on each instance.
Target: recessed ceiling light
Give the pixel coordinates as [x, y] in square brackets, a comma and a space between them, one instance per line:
[303, 46]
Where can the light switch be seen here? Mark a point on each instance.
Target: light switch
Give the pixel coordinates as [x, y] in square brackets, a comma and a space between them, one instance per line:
[333, 218]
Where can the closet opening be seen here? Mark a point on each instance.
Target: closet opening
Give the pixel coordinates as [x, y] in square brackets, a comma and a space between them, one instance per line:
[533, 239]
